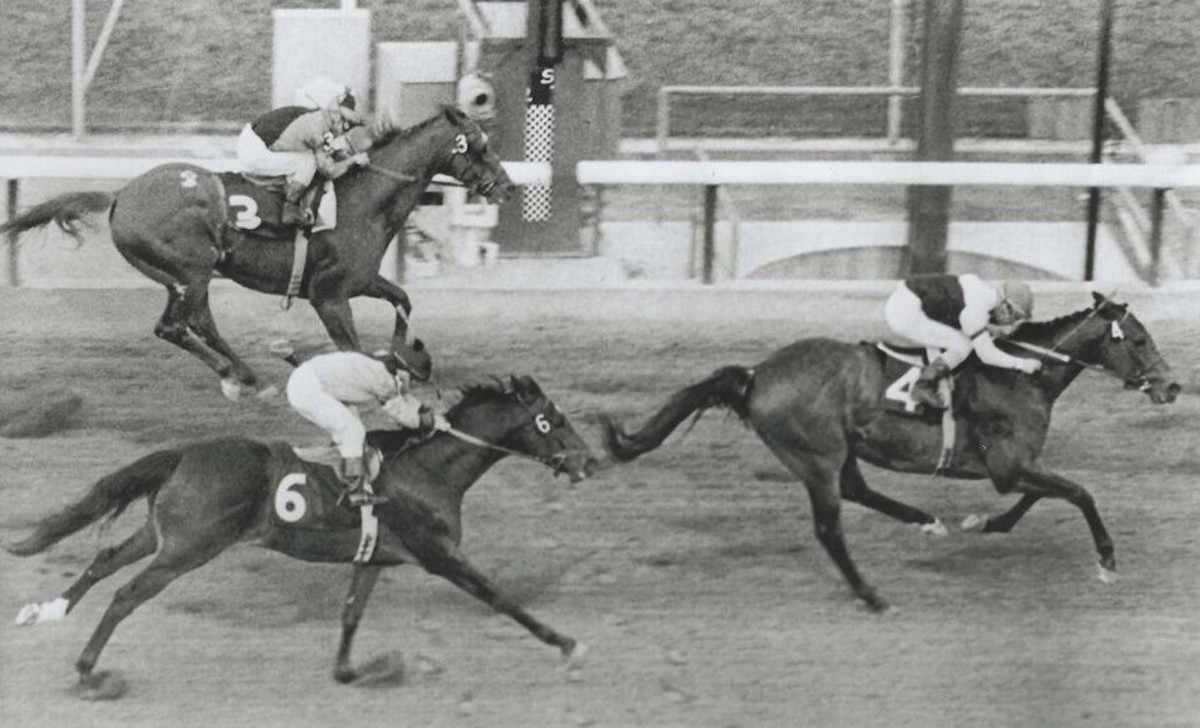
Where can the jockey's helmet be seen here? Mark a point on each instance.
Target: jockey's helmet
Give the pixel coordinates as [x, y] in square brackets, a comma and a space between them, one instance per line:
[1019, 297]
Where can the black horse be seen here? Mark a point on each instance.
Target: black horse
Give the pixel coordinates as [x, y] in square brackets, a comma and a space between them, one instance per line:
[818, 404]
[172, 223]
[207, 496]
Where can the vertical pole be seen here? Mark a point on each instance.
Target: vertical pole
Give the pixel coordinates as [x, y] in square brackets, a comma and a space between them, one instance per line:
[710, 229]
[14, 276]
[929, 205]
[78, 82]
[895, 110]
[1157, 204]
[1093, 209]
[662, 131]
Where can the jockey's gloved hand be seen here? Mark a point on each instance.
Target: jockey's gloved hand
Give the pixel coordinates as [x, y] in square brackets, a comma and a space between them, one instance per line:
[426, 418]
[1029, 366]
[362, 159]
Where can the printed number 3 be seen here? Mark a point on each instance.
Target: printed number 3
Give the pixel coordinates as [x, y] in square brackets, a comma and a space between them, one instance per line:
[460, 144]
[247, 218]
[901, 389]
[290, 505]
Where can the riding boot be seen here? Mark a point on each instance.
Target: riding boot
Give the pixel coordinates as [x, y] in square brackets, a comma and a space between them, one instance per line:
[354, 476]
[293, 208]
[925, 391]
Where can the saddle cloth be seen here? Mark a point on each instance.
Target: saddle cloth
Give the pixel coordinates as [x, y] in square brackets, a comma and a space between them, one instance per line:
[901, 368]
[255, 206]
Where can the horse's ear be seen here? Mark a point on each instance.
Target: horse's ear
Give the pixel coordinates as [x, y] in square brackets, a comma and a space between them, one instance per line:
[524, 385]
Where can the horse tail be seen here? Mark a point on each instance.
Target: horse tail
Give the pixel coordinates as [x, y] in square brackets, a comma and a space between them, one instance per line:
[726, 387]
[66, 211]
[111, 494]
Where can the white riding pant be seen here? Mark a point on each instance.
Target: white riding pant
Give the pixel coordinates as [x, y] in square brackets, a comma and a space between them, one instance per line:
[256, 158]
[905, 317]
[306, 395]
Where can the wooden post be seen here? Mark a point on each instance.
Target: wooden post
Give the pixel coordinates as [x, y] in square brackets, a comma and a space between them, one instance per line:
[710, 230]
[1093, 209]
[14, 276]
[929, 206]
[895, 108]
[1157, 203]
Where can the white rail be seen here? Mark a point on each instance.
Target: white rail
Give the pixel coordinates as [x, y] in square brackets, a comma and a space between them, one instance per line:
[887, 173]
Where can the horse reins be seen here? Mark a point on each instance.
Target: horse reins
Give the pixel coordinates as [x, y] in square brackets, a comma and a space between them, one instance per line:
[1139, 380]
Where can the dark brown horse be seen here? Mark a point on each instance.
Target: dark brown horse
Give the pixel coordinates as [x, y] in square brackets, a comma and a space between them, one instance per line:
[818, 404]
[171, 223]
[207, 496]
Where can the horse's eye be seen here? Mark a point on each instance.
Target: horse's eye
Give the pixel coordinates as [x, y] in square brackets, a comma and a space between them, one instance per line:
[1139, 342]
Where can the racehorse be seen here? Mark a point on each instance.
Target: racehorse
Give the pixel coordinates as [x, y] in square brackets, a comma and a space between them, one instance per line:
[173, 224]
[206, 496]
[818, 404]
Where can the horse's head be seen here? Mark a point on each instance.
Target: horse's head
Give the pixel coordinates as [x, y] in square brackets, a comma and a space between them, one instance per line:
[519, 417]
[471, 161]
[1117, 341]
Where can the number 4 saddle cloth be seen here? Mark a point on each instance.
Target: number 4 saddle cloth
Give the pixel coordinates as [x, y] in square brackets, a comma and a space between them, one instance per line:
[901, 368]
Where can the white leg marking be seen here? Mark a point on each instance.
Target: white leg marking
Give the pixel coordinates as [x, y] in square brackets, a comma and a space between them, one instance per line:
[937, 528]
[231, 388]
[974, 522]
[31, 614]
[1106, 575]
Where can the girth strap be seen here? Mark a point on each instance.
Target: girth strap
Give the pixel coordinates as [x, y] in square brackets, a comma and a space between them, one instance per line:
[299, 257]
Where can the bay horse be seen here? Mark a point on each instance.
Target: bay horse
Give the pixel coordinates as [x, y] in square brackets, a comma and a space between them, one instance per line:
[818, 405]
[172, 224]
[206, 496]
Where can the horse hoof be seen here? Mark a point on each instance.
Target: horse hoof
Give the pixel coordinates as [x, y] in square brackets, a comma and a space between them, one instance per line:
[28, 616]
[974, 523]
[937, 529]
[32, 614]
[385, 671]
[100, 686]
[573, 653]
[1106, 574]
[231, 388]
[876, 603]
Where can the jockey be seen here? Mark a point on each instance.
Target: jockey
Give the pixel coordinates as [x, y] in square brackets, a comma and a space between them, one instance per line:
[298, 141]
[326, 389]
[958, 315]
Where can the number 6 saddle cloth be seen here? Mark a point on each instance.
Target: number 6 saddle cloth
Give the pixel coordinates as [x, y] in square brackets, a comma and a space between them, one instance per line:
[309, 516]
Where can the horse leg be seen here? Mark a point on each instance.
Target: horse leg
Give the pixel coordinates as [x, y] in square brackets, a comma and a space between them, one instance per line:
[173, 327]
[138, 546]
[818, 472]
[854, 488]
[395, 295]
[361, 585]
[336, 315]
[1049, 485]
[201, 321]
[1004, 522]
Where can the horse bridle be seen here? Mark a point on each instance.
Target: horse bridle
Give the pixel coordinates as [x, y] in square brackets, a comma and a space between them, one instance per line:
[556, 462]
[1139, 380]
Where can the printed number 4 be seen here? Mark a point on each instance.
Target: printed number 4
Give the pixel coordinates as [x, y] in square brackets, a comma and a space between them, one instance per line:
[901, 389]
[247, 218]
[290, 505]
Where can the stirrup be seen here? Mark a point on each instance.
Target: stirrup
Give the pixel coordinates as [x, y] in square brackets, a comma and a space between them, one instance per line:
[359, 497]
[930, 397]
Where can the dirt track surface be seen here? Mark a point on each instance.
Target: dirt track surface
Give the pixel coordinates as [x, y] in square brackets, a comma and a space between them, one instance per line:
[692, 574]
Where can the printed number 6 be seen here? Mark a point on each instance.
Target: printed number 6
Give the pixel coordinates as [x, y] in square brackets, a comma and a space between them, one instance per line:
[541, 423]
[290, 506]
[460, 144]
[247, 218]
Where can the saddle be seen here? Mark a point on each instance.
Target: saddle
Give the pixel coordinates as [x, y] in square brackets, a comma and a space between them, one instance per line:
[327, 458]
[255, 206]
[901, 367]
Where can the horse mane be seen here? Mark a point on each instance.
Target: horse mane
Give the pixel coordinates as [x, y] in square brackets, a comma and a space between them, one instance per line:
[1038, 329]
[404, 132]
[484, 390]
